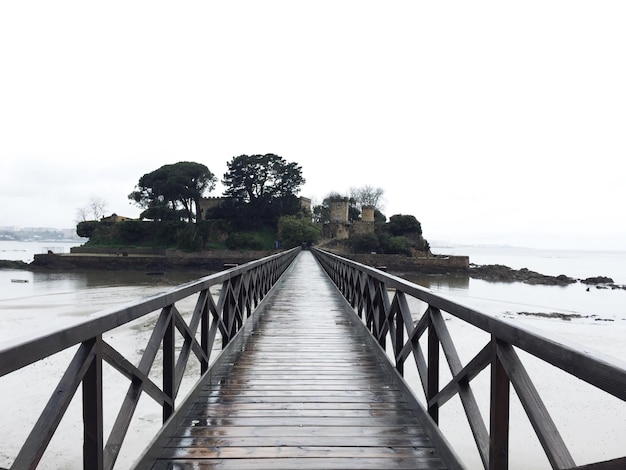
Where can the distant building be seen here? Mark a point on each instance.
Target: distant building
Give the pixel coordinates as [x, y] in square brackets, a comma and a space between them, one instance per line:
[113, 218]
[305, 203]
[340, 227]
[208, 203]
[366, 224]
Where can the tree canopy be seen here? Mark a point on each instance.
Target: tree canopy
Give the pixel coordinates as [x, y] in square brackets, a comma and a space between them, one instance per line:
[258, 177]
[262, 188]
[404, 225]
[295, 230]
[173, 191]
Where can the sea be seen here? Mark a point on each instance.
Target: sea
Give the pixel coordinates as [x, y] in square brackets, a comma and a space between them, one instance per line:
[591, 317]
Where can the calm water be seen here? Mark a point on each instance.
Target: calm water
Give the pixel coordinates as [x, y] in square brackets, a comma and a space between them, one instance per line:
[579, 264]
[504, 297]
[25, 251]
[51, 300]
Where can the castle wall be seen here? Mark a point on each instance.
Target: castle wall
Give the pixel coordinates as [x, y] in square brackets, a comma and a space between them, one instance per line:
[360, 227]
[305, 203]
[405, 264]
[207, 203]
[336, 231]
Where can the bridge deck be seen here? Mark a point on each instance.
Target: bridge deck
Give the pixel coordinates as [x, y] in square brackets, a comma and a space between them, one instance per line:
[304, 389]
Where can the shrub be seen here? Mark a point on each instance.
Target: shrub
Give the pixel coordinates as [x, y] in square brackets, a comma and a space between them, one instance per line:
[244, 241]
[86, 229]
[399, 246]
[404, 225]
[365, 243]
[295, 230]
[188, 238]
[132, 231]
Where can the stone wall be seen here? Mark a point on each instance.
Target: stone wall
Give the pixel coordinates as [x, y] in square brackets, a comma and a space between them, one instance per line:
[404, 264]
[336, 231]
[118, 251]
[136, 262]
[171, 260]
[361, 227]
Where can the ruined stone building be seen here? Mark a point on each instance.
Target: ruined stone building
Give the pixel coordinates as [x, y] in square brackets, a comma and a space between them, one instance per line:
[340, 227]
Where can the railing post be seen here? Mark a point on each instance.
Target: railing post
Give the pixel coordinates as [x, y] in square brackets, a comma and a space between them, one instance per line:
[433, 369]
[240, 302]
[399, 325]
[230, 318]
[499, 413]
[93, 434]
[205, 324]
[169, 367]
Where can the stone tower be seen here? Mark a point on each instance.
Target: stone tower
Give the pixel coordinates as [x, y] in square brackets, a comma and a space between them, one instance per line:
[338, 224]
[366, 224]
[367, 213]
[339, 211]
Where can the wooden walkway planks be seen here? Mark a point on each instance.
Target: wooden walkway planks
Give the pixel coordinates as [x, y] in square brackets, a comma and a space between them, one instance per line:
[304, 391]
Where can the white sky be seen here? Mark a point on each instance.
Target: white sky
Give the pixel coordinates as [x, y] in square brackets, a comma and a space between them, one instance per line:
[490, 121]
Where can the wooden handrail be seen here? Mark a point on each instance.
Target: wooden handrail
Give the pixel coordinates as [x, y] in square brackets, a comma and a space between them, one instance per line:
[380, 300]
[242, 289]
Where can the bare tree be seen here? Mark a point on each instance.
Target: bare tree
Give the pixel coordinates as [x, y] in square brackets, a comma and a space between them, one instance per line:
[93, 210]
[367, 196]
[98, 206]
[81, 214]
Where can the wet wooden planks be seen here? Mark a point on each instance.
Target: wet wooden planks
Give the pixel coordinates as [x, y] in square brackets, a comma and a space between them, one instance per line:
[304, 391]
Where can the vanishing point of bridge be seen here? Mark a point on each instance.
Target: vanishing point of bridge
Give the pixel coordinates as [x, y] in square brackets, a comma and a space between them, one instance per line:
[310, 374]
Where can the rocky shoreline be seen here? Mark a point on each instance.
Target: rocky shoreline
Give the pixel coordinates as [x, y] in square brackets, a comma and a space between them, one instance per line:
[501, 273]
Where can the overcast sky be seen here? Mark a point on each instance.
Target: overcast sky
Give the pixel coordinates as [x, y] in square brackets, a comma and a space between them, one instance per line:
[491, 122]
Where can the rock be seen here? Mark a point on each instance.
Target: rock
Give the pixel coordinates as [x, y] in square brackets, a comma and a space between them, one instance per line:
[10, 264]
[559, 315]
[501, 273]
[597, 280]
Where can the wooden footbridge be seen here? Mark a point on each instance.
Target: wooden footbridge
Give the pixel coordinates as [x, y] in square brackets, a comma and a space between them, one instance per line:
[302, 356]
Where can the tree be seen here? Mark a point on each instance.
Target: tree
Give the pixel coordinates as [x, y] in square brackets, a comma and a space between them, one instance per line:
[321, 214]
[262, 177]
[365, 243]
[407, 226]
[399, 246]
[172, 187]
[379, 217]
[296, 230]
[404, 225]
[367, 196]
[263, 188]
[93, 210]
[98, 207]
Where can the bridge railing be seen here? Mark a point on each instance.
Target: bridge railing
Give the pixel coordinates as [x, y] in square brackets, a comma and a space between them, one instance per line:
[242, 288]
[381, 301]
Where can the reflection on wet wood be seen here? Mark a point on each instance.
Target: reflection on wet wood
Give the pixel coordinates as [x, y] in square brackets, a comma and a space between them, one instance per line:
[305, 391]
